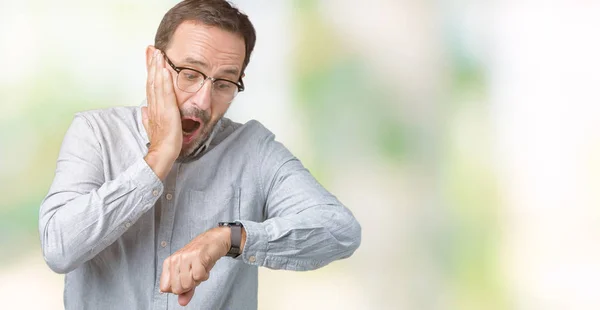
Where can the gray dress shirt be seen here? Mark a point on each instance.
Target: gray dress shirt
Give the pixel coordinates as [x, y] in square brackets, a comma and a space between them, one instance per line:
[108, 222]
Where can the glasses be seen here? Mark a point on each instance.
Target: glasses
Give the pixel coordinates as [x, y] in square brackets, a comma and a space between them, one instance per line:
[190, 81]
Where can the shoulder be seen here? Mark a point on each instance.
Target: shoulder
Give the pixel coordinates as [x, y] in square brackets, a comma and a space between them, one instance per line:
[251, 139]
[249, 133]
[113, 120]
[255, 130]
[113, 124]
[110, 115]
[258, 138]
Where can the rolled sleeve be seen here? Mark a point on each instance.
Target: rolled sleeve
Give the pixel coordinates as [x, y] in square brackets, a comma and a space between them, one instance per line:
[147, 183]
[255, 249]
[83, 212]
[306, 227]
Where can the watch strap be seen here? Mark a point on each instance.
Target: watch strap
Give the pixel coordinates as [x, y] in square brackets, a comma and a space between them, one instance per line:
[236, 238]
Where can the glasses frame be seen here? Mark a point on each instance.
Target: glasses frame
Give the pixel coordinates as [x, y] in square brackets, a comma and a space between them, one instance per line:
[239, 84]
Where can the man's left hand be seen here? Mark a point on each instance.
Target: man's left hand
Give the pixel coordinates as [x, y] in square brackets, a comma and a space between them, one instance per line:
[191, 265]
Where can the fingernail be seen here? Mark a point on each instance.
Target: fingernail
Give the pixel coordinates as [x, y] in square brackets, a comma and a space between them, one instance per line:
[155, 52]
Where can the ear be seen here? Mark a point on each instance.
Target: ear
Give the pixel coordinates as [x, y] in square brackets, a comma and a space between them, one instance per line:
[149, 52]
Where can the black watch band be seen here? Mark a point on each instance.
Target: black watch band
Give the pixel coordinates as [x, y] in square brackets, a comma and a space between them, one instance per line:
[236, 238]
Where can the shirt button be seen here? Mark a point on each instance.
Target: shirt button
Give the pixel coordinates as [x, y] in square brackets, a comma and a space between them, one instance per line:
[155, 193]
[252, 259]
[163, 244]
[169, 196]
[128, 224]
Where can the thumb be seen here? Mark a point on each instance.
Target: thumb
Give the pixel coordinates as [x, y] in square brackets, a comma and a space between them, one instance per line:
[186, 297]
[145, 114]
[145, 120]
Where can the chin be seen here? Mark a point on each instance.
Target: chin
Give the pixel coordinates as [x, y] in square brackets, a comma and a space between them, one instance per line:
[190, 148]
[187, 150]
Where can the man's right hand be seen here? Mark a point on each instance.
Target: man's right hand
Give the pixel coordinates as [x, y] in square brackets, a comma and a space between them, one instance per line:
[161, 118]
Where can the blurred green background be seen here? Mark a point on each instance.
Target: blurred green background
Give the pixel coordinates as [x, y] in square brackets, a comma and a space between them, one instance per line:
[464, 135]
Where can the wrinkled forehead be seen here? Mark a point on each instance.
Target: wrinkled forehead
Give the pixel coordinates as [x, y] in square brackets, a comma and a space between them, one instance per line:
[210, 43]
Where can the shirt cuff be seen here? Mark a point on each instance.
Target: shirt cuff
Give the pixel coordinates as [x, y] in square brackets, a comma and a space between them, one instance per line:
[256, 246]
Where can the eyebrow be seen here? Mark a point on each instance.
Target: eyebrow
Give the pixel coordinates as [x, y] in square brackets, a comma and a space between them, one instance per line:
[190, 60]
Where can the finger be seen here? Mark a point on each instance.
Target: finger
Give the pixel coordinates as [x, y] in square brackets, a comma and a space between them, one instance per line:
[145, 120]
[175, 275]
[186, 297]
[168, 88]
[197, 270]
[150, 79]
[158, 84]
[169, 98]
[185, 276]
[165, 285]
[150, 82]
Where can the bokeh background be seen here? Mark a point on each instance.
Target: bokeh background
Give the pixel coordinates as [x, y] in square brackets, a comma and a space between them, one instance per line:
[463, 134]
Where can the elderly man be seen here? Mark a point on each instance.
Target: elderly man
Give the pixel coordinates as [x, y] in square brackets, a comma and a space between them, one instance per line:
[171, 195]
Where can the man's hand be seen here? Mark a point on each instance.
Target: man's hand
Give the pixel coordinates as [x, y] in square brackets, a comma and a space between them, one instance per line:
[161, 118]
[191, 265]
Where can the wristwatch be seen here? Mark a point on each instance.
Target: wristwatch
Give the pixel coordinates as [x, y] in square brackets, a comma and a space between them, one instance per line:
[236, 238]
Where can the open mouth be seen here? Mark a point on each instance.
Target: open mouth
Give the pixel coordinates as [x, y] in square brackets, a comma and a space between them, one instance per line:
[189, 126]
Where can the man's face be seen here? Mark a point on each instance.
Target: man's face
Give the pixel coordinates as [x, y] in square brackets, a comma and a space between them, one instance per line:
[216, 53]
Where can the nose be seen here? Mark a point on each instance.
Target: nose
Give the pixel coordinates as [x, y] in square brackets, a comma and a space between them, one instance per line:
[202, 98]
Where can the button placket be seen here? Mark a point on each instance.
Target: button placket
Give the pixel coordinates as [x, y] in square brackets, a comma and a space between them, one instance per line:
[165, 231]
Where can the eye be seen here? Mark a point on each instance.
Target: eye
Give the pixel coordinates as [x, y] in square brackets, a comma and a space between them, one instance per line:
[223, 85]
[190, 75]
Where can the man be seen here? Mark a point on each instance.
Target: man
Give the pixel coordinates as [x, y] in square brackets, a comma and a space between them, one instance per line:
[170, 196]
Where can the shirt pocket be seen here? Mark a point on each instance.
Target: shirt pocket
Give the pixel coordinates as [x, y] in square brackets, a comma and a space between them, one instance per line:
[208, 208]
